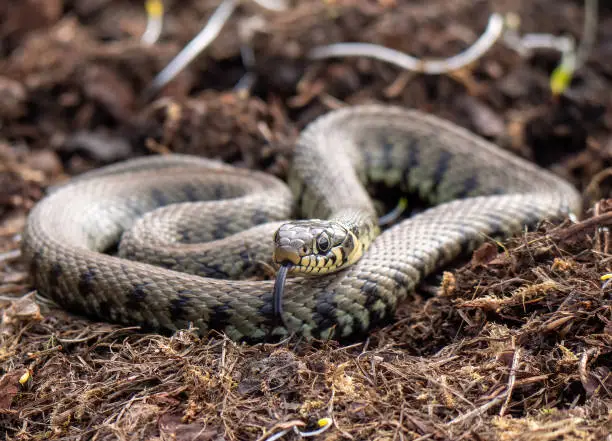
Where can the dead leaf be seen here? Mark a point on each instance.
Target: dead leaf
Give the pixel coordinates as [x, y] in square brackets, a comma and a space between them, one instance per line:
[9, 387]
[21, 309]
[172, 428]
[484, 254]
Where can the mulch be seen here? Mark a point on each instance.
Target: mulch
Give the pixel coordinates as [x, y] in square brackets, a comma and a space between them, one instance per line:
[514, 344]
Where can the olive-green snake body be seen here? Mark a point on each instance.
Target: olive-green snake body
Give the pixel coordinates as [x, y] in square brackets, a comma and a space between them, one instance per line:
[217, 224]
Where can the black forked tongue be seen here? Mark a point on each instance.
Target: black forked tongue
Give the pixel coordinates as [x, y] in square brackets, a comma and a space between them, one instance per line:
[279, 288]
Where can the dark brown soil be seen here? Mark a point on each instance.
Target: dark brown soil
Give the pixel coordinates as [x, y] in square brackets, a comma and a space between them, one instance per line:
[514, 345]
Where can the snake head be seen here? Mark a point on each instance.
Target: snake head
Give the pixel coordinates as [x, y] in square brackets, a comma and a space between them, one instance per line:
[315, 246]
[311, 247]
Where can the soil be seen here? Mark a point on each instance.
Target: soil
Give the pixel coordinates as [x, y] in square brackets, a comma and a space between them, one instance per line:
[515, 344]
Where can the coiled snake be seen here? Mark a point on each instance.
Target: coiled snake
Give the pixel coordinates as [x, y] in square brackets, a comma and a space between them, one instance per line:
[190, 253]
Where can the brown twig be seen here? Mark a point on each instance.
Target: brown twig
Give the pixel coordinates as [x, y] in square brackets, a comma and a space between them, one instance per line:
[595, 221]
[512, 377]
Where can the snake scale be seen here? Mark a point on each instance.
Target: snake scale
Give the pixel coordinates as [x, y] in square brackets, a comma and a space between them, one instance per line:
[191, 228]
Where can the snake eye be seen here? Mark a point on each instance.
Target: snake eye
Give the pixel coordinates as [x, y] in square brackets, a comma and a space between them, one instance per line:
[323, 243]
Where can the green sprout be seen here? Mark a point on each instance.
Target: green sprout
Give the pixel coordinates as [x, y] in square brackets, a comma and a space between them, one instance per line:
[561, 77]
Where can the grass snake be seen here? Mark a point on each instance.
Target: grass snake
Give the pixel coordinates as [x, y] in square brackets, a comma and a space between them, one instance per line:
[190, 230]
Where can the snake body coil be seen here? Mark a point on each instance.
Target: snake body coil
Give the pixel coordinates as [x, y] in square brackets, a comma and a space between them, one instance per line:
[189, 251]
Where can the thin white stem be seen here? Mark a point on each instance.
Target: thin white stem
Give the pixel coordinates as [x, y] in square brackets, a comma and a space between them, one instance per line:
[273, 5]
[202, 40]
[278, 435]
[326, 424]
[155, 22]
[492, 33]
[589, 31]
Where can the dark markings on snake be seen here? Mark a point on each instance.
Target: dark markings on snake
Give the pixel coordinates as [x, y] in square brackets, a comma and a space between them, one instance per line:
[267, 309]
[366, 230]
[420, 265]
[136, 297]
[532, 220]
[191, 192]
[469, 186]
[325, 311]
[105, 308]
[180, 304]
[218, 191]
[411, 161]
[413, 157]
[211, 270]
[400, 279]
[404, 183]
[496, 223]
[86, 282]
[440, 170]
[220, 230]
[247, 265]
[54, 275]
[370, 289]
[468, 241]
[158, 197]
[349, 243]
[219, 316]
[259, 217]
[367, 157]
[185, 235]
[532, 217]
[467, 246]
[245, 256]
[387, 150]
[35, 263]
[76, 304]
[170, 263]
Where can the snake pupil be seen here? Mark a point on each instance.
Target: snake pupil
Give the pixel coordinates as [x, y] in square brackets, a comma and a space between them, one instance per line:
[323, 243]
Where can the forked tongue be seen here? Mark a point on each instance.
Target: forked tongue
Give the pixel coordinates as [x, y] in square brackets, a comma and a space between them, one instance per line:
[279, 288]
